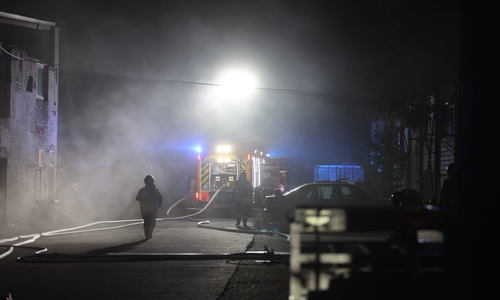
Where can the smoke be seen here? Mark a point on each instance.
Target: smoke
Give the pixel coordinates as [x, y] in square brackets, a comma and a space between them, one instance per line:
[136, 92]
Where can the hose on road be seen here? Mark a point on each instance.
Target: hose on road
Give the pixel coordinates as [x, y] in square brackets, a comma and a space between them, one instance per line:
[133, 222]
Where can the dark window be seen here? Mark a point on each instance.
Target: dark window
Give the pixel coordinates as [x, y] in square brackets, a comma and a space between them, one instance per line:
[324, 192]
[5, 80]
[338, 193]
[29, 85]
[42, 82]
[353, 193]
[450, 120]
[3, 188]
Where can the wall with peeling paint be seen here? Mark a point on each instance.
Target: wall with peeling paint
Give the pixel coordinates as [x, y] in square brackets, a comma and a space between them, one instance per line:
[28, 131]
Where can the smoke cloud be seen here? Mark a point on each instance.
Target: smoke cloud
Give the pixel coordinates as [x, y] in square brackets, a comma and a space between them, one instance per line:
[138, 90]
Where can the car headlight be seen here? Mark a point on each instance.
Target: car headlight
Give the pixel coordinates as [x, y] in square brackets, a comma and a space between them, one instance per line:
[322, 219]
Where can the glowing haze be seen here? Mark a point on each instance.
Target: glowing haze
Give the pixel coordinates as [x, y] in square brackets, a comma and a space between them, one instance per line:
[237, 83]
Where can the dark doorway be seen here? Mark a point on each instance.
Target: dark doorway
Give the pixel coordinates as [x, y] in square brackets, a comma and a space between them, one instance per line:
[3, 191]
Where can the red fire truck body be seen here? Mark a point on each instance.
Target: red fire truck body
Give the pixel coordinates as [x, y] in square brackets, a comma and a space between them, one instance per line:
[220, 169]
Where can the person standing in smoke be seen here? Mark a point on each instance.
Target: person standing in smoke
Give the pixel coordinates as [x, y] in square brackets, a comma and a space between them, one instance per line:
[448, 198]
[150, 200]
[244, 191]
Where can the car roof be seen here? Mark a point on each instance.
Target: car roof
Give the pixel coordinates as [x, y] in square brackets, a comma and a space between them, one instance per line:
[342, 181]
[326, 182]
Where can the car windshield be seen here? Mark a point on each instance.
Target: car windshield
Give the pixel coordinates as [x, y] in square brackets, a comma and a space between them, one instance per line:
[293, 190]
[327, 192]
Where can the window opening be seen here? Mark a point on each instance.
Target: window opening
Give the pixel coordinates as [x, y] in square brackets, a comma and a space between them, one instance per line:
[41, 81]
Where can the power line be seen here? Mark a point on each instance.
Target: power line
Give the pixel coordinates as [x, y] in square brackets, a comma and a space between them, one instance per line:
[149, 78]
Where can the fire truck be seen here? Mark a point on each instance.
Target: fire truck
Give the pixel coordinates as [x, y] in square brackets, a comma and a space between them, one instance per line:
[220, 168]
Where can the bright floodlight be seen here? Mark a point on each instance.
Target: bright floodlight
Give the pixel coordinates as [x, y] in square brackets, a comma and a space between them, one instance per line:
[238, 83]
[223, 148]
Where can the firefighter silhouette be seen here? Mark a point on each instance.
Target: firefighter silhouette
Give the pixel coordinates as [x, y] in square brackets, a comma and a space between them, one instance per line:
[243, 202]
[448, 198]
[150, 200]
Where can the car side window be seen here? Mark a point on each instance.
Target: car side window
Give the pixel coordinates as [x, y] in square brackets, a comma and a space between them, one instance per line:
[319, 192]
[330, 192]
[337, 193]
[353, 193]
[324, 192]
[309, 193]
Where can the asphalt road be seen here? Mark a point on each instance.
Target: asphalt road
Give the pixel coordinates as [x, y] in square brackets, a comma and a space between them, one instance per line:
[189, 259]
[181, 261]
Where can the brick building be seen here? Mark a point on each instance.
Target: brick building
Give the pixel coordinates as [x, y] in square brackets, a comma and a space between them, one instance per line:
[29, 58]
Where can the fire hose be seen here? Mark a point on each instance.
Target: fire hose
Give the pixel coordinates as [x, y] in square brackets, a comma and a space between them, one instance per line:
[79, 229]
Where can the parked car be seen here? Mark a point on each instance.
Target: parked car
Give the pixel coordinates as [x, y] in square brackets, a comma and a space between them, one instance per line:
[279, 208]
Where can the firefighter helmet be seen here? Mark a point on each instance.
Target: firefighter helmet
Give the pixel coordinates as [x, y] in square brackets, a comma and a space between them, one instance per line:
[149, 179]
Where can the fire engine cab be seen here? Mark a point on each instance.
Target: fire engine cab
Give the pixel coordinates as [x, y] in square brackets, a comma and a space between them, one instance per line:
[221, 167]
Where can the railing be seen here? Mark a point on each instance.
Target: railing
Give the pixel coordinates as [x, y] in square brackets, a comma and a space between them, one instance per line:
[366, 253]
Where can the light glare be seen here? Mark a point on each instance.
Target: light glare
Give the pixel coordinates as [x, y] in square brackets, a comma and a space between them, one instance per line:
[238, 83]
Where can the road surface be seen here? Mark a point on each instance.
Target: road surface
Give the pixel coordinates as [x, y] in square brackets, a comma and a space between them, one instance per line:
[77, 270]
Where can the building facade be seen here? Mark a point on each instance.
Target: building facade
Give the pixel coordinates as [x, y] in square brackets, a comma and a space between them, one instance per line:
[29, 62]
[415, 153]
[432, 145]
